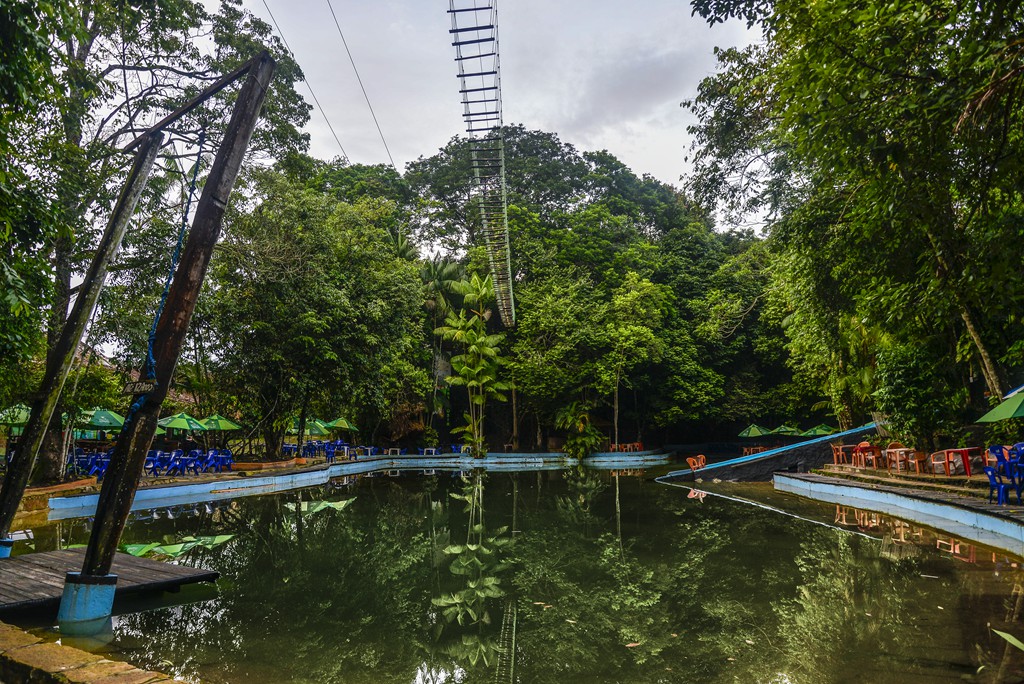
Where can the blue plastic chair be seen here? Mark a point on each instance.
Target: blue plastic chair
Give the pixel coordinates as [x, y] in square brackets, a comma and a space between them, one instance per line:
[1005, 462]
[224, 459]
[99, 466]
[996, 486]
[207, 461]
[152, 465]
[176, 463]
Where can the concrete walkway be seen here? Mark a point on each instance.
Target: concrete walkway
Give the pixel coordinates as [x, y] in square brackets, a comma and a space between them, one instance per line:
[27, 658]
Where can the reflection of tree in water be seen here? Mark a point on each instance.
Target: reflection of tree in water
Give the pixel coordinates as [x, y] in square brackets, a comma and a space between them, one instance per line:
[711, 592]
[584, 487]
[466, 631]
[989, 603]
[848, 614]
[587, 610]
[346, 605]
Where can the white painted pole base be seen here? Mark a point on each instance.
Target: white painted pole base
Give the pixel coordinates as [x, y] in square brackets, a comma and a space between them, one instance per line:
[87, 604]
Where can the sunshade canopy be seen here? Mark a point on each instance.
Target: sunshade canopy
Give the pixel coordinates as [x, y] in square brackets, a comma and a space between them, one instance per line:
[818, 431]
[342, 424]
[1011, 407]
[220, 423]
[314, 427]
[785, 430]
[181, 421]
[15, 415]
[102, 418]
[755, 430]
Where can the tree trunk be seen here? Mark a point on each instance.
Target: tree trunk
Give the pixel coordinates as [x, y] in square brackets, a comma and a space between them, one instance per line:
[844, 415]
[47, 464]
[989, 368]
[302, 425]
[128, 457]
[272, 444]
[515, 421]
[616, 410]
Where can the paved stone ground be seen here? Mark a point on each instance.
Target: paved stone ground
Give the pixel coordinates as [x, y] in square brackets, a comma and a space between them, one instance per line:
[27, 658]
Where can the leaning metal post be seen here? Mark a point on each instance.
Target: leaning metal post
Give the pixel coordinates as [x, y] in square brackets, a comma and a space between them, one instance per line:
[88, 596]
[63, 353]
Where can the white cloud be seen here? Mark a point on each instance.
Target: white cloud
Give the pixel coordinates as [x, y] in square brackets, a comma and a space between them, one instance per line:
[602, 74]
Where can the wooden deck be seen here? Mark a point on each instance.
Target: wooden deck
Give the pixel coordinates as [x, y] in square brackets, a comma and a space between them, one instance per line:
[35, 581]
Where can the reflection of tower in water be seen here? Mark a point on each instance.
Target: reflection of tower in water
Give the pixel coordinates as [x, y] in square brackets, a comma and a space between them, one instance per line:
[506, 670]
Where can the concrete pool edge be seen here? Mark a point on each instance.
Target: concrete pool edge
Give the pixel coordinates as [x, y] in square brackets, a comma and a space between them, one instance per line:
[25, 657]
[185, 493]
[966, 517]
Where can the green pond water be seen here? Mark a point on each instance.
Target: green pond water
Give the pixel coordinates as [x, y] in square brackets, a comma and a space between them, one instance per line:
[567, 577]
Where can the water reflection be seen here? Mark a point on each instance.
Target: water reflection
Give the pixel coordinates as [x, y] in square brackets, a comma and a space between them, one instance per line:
[572, 577]
[903, 539]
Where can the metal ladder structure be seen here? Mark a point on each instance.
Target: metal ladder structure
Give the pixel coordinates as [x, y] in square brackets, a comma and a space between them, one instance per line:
[475, 39]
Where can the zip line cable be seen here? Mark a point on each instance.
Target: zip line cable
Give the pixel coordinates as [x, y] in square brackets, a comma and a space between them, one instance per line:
[306, 81]
[358, 78]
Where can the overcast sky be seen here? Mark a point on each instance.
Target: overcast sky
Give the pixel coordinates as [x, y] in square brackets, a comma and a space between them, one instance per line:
[601, 74]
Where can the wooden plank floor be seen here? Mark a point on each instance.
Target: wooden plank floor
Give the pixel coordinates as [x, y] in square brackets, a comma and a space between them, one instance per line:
[35, 581]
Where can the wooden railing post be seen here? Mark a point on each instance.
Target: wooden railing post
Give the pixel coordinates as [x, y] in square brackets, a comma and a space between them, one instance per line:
[88, 596]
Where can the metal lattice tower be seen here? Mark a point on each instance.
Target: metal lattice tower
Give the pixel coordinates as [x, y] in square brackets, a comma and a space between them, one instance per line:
[475, 33]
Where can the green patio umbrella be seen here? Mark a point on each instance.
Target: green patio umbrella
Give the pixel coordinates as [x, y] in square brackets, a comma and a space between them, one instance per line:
[818, 431]
[1012, 406]
[786, 430]
[103, 419]
[314, 427]
[342, 424]
[15, 415]
[217, 422]
[754, 430]
[181, 421]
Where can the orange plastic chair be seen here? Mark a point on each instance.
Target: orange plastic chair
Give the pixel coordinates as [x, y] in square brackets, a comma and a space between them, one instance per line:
[917, 460]
[837, 454]
[697, 462]
[940, 458]
[896, 459]
[865, 450]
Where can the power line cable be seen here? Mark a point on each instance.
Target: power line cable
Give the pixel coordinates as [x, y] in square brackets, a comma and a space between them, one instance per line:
[365, 96]
[306, 81]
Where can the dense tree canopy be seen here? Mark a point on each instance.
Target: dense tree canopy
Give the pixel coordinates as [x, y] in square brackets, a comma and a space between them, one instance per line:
[880, 144]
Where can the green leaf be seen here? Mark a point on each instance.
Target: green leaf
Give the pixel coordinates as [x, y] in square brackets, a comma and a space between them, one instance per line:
[1014, 641]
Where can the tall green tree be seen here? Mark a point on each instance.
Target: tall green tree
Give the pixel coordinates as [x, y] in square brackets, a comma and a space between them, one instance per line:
[477, 368]
[882, 143]
[121, 67]
[631, 336]
[313, 309]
